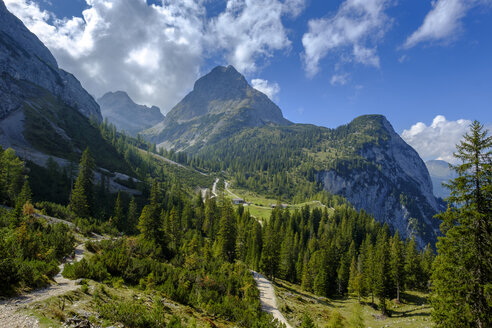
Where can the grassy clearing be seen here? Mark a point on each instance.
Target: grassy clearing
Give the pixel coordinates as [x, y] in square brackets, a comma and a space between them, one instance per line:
[261, 207]
[414, 311]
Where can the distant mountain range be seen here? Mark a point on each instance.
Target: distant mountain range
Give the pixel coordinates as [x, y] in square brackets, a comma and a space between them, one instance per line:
[440, 173]
[119, 109]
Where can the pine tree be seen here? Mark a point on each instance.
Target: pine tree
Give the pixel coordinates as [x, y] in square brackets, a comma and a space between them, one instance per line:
[118, 215]
[270, 255]
[397, 264]
[352, 287]
[173, 229]
[132, 219]
[227, 232]
[78, 200]
[81, 200]
[11, 176]
[23, 197]
[383, 283]
[462, 275]
[412, 265]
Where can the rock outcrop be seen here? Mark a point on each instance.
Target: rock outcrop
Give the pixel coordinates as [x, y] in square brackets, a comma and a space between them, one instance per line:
[24, 57]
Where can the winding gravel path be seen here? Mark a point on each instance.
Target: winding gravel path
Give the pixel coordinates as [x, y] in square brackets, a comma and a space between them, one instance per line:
[11, 315]
[268, 299]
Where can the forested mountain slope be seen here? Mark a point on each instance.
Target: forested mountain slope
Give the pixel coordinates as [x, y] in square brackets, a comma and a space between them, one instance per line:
[364, 161]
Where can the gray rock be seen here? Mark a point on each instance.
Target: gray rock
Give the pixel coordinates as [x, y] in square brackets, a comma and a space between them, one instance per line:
[221, 104]
[395, 189]
[24, 57]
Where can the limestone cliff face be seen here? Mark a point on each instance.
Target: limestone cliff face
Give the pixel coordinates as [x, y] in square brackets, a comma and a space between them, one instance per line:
[394, 184]
[126, 115]
[24, 57]
[221, 104]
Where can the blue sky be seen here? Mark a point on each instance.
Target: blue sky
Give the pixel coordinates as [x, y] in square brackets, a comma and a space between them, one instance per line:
[323, 62]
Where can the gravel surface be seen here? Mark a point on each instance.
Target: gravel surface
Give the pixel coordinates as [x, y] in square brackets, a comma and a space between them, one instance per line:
[268, 299]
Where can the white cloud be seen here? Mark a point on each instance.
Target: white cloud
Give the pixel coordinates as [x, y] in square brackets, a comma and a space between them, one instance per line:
[271, 89]
[353, 31]
[339, 79]
[443, 22]
[438, 140]
[250, 30]
[294, 7]
[155, 53]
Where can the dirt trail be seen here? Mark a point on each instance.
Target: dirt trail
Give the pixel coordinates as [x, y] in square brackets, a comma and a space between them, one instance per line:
[268, 299]
[226, 185]
[11, 315]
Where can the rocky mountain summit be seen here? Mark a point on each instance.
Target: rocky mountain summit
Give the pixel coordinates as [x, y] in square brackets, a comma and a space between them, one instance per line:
[221, 104]
[23, 57]
[389, 180]
[126, 115]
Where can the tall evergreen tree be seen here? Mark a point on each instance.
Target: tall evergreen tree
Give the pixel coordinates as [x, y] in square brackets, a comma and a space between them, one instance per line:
[118, 213]
[270, 255]
[11, 176]
[132, 219]
[413, 267]
[82, 200]
[227, 232]
[383, 283]
[398, 263]
[23, 197]
[462, 275]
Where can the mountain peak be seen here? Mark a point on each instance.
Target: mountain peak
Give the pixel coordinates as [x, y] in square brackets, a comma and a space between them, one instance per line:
[126, 115]
[220, 104]
[117, 96]
[221, 78]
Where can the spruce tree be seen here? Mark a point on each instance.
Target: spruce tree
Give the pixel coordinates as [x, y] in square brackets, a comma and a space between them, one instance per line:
[118, 215]
[397, 263]
[81, 199]
[23, 197]
[227, 232]
[413, 265]
[270, 255]
[383, 281]
[132, 219]
[462, 275]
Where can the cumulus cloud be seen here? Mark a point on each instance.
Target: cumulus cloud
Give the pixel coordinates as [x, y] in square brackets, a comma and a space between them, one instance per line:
[271, 89]
[443, 22]
[156, 52]
[249, 30]
[438, 140]
[354, 31]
